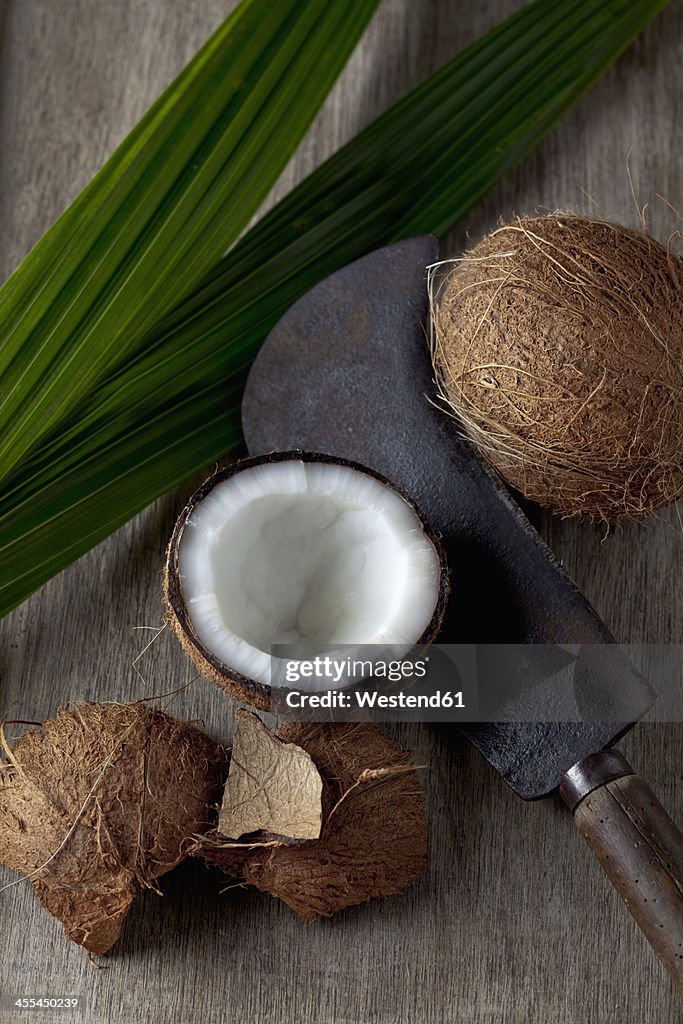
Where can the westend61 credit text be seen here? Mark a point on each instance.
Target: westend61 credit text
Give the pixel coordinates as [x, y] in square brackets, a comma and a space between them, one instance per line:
[372, 699]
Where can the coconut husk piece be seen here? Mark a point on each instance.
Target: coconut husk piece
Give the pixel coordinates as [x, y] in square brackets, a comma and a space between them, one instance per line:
[272, 786]
[99, 802]
[374, 835]
[558, 343]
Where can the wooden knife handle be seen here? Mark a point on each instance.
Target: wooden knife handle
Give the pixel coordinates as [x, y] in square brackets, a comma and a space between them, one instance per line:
[638, 845]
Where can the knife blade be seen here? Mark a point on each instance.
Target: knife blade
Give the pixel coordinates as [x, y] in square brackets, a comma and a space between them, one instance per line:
[347, 371]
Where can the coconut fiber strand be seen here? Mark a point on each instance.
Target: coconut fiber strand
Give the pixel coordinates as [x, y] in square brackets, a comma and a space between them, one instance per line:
[559, 343]
[97, 803]
[374, 835]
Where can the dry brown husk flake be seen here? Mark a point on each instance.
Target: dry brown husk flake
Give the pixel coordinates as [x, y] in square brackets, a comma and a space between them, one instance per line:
[559, 345]
[272, 786]
[100, 801]
[374, 836]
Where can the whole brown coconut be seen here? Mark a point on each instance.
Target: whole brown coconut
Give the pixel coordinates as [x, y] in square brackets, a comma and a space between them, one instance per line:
[97, 803]
[374, 835]
[559, 344]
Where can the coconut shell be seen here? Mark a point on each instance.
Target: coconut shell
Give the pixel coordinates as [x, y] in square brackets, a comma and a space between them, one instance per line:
[99, 802]
[559, 345]
[247, 691]
[243, 689]
[374, 837]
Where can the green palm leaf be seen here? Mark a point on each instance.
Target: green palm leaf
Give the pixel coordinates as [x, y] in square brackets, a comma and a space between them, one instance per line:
[169, 404]
[165, 207]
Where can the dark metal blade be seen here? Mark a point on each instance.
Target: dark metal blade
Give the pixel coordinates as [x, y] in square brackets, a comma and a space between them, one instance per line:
[347, 371]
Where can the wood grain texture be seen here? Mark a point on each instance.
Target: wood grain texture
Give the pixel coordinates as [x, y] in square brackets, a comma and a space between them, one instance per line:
[513, 922]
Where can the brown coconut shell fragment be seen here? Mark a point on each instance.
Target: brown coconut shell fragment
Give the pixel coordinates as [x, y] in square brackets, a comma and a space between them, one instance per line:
[99, 802]
[559, 345]
[374, 836]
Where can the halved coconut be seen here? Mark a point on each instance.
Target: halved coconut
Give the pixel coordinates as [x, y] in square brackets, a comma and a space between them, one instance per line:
[294, 554]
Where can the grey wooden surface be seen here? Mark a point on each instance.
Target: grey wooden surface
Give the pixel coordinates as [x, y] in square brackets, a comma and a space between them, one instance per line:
[512, 922]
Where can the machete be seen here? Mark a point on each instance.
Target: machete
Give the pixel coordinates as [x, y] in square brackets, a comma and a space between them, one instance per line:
[347, 371]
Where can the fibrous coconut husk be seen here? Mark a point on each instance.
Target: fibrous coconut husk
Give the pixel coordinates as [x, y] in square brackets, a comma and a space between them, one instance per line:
[374, 835]
[559, 345]
[99, 802]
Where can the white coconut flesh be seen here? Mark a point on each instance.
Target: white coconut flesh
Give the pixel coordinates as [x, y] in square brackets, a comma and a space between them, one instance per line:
[304, 553]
